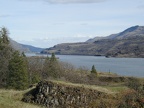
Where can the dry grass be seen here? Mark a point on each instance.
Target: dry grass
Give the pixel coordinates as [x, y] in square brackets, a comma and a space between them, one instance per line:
[105, 89]
[117, 89]
[12, 99]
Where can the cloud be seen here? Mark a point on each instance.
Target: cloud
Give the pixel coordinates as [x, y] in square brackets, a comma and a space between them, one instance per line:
[74, 1]
[46, 42]
[68, 1]
[141, 6]
[84, 24]
[3, 16]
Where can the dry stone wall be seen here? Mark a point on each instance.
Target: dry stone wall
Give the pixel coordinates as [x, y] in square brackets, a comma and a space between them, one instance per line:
[54, 95]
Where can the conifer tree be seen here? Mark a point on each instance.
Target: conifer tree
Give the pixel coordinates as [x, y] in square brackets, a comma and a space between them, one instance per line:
[17, 76]
[51, 67]
[93, 71]
[53, 58]
[54, 67]
[4, 35]
[5, 55]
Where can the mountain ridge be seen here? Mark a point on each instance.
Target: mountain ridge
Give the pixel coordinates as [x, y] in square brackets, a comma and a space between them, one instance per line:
[121, 35]
[128, 43]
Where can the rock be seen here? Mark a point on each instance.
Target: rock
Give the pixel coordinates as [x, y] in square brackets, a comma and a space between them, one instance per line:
[54, 95]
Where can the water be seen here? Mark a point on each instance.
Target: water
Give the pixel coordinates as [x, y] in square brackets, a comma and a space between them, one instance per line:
[121, 66]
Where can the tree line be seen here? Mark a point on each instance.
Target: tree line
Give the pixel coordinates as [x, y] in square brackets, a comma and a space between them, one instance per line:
[19, 72]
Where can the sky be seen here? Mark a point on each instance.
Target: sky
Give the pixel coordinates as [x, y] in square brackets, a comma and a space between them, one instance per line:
[45, 23]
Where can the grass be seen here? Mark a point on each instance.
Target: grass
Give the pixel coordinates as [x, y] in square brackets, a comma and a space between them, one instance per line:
[12, 99]
[107, 74]
[110, 89]
[117, 89]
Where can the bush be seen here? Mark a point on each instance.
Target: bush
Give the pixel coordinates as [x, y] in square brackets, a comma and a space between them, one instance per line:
[134, 83]
[131, 99]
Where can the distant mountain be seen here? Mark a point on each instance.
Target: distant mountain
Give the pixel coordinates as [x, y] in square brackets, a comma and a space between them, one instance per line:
[95, 39]
[24, 48]
[18, 46]
[32, 48]
[130, 32]
[128, 43]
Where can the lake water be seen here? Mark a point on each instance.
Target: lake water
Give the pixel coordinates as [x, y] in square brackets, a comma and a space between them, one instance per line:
[121, 66]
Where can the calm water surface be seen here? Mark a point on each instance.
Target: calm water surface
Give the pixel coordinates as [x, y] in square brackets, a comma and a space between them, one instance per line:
[121, 66]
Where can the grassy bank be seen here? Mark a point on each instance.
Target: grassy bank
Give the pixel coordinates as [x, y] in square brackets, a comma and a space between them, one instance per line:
[12, 99]
[109, 89]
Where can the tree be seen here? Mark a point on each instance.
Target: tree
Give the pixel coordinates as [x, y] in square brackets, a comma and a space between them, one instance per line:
[46, 65]
[134, 83]
[93, 71]
[4, 35]
[5, 55]
[51, 67]
[53, 58]
[17, 75]
[35, 67]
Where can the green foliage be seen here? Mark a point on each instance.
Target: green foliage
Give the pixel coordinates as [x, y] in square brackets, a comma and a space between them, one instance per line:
[46, 68]
[53, 58]
[134, 83]
[51, 67]
[35, 78]
[23, 54]
[17, 75]
[35, 65]
[93, 71]
[5, 55]
[12, 99]
[131, 99]
[4, 35]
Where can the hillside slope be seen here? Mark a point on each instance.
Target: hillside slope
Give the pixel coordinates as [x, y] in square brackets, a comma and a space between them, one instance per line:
[32, 48]
[128, 43]
[24, 48]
